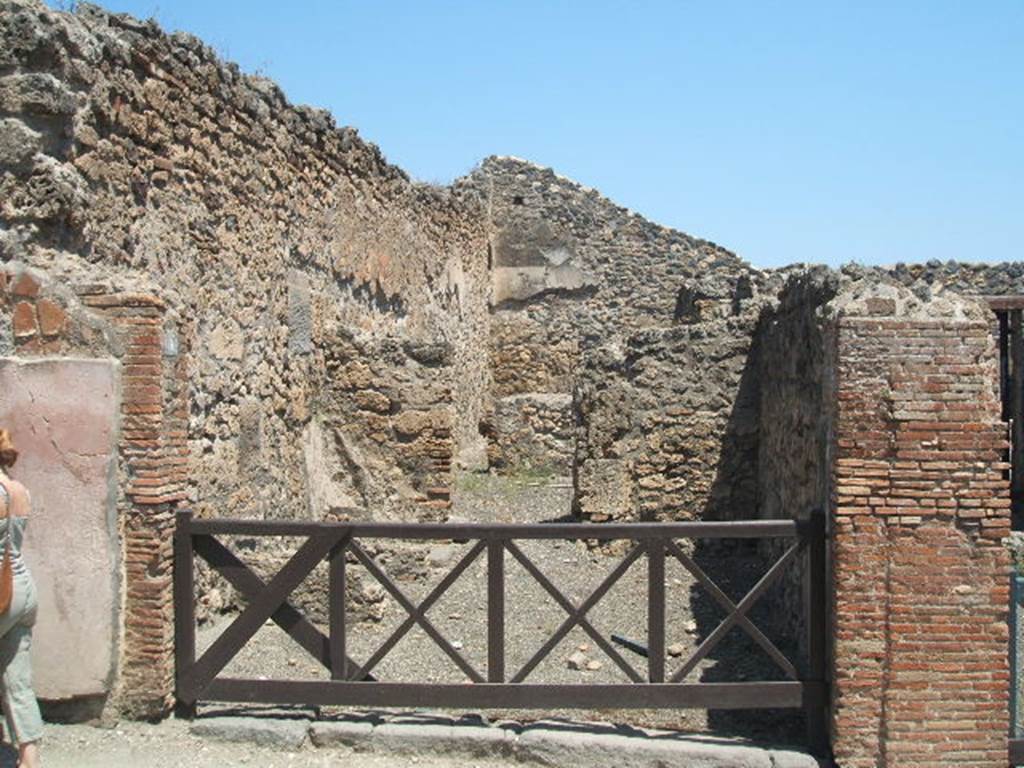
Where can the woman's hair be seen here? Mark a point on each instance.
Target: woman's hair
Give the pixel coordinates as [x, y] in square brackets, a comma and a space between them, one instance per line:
[8, 454]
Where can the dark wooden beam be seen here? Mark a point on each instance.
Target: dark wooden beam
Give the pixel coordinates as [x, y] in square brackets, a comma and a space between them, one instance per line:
[747, 529]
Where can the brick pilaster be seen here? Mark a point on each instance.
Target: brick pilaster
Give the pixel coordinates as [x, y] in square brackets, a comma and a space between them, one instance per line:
[921, 504]
[153, 463]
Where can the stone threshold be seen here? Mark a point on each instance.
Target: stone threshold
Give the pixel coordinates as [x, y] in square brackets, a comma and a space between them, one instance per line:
[548, 743]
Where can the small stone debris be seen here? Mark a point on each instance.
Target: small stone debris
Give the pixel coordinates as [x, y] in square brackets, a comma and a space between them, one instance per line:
[676, 650]
[576, 661]
[441, 556]
[293, 662]
[593, 665]
[690, 627]
[455, 616]
[584, 647]
[457, 645]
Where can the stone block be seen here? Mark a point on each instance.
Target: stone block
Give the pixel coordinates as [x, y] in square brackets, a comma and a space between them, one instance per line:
[24, 321]
[354, 734]
[18, 144]
[597, 749]
[25, 286]
[300, 314]
[36, 93]
[51, 317]
[63, 415]
[454, 741]
[276, 733]
[605, 488]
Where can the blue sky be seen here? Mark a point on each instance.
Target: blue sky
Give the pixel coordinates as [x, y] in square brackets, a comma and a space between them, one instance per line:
[819, 131]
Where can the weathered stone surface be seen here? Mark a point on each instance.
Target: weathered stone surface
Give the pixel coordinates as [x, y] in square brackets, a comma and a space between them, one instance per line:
[64, 415]
[24, 321]
[531, 430]
[18, 144]
[152, 164]
[36, 93]
[567, 747]
[459, 740]
[262, 731]
[354, 734]
[300, 314]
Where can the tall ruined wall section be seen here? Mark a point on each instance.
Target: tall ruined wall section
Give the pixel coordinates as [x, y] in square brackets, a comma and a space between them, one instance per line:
[795, 373]
[635, 334]
[316, 285]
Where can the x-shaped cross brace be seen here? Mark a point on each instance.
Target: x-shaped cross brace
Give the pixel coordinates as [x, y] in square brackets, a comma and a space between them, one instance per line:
[418, 613]
[577, 616]
[265, 600]
[736, 612]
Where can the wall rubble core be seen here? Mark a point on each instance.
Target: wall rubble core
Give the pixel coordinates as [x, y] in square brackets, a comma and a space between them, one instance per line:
[304, 332]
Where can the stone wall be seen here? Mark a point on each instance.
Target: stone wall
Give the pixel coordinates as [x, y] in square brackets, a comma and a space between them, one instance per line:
[580, 288]
[668, 426]
[921, 506]
[137, 158]
[531, 431]
[795, 373]
[235, 252]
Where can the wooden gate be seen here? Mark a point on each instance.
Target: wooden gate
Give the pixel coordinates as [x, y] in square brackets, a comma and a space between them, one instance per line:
[353, 683]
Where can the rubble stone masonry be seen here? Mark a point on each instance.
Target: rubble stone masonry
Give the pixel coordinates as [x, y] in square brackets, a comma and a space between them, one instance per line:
[922, 504]
[304, 332]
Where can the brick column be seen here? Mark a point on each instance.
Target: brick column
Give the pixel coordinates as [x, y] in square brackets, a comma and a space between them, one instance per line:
[921, 576]
[154, 458]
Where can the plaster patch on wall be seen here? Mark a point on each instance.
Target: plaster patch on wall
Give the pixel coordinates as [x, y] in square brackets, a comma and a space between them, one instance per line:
[63, 415]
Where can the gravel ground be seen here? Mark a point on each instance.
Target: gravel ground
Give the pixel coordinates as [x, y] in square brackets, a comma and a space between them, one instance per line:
[532, 616]
[169, 745]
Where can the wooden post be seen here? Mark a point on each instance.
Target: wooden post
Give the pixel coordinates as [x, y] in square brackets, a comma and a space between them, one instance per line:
[184, 610]
[495, 611]
[336, 611]
[656, 611]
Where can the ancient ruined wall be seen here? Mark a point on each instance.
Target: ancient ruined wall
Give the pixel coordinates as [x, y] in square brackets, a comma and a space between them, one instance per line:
[129, 155]
[795, 374]
[936, 277]
[921, 506]
[668, 425]
[795, 377]
[292, 313]
[572, 272]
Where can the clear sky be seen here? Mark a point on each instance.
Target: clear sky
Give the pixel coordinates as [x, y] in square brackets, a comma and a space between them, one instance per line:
[802, 131]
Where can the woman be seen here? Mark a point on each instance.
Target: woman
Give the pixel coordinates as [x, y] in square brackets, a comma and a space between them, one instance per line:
[21, 710]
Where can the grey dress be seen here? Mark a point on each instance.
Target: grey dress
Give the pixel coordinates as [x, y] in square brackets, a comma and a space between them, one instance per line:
[21, 710]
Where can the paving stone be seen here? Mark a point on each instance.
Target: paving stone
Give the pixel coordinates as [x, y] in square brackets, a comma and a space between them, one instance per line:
[355, 734]
[266, 732]
[472, 741]
[606, 750]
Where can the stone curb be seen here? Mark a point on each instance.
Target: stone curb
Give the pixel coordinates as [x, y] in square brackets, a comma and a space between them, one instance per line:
[542, 744]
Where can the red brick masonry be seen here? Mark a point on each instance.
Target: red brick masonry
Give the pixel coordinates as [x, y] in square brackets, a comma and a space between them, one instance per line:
[154, 458]
[921, 577]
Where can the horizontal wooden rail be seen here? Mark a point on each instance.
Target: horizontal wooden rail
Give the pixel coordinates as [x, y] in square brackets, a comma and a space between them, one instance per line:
[752, 529]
